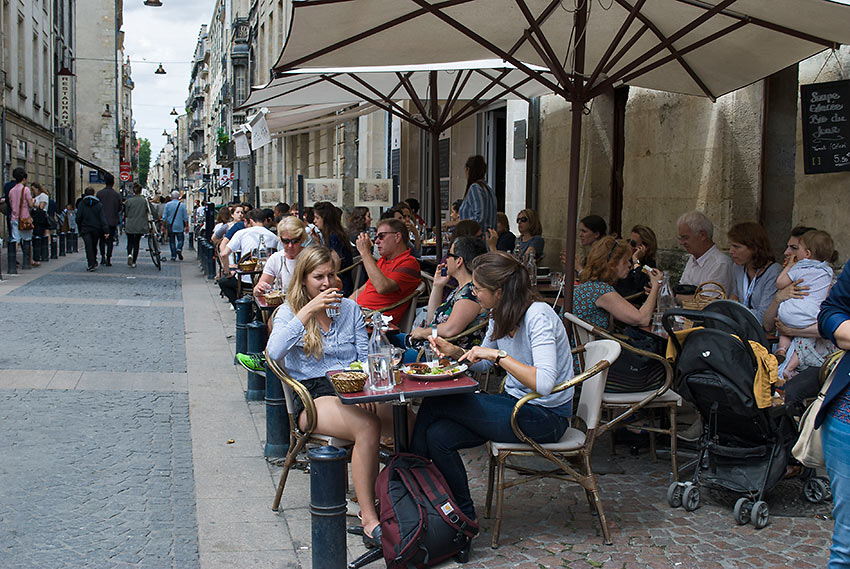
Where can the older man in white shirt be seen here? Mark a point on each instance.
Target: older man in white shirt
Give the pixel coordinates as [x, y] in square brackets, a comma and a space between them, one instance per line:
[706, 262]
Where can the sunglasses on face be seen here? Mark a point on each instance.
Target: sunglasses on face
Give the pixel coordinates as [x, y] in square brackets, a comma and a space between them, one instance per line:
[452, 256]
[522, 220]
[633, 243]
[290, 241]
[383, 234]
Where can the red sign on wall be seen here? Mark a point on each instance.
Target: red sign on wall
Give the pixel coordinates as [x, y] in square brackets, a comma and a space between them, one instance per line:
[124, 170]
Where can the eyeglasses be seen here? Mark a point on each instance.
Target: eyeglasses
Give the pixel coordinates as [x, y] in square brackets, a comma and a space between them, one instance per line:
[522, 220]
[452, 256]
[290, 241]
[383, 234]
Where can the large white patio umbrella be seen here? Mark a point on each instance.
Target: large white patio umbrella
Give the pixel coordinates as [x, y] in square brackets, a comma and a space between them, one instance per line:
[696, 47]
[442, 95]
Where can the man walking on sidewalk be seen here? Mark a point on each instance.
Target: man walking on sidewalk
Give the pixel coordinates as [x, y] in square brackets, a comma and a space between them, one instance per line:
[176, 220]
[92, 225]
[136, 224]
[111, 202]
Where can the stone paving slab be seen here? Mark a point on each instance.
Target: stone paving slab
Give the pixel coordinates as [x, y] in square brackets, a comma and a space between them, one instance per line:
[96, 338]
[144, 266]
[95, 285]
[96, 479]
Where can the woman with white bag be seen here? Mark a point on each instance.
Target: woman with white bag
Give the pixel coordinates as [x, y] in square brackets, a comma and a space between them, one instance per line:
[833, 419]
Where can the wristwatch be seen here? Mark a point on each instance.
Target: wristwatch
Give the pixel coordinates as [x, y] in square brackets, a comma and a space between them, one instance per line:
[499, 356]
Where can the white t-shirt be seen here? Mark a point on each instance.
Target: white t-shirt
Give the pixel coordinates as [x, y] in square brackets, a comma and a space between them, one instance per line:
[248, 239]
[41, 199]
[281, 268]
[714, 265]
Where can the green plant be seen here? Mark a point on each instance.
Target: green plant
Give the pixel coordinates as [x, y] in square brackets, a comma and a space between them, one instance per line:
[223, 138]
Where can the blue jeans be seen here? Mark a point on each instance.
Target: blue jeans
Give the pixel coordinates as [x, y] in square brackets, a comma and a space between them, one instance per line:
[835, 435]
[178, 246]
[446, 424]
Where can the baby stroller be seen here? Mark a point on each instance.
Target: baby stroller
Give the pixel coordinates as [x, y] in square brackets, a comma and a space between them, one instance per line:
[746, 448]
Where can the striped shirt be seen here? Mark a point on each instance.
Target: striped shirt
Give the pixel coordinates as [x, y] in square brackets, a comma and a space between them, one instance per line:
[480, 205]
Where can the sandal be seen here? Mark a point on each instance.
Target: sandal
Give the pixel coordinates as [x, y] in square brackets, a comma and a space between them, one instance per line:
[373, 541]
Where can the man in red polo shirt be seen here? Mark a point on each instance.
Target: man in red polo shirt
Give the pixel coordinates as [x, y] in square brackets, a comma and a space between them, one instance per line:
[394, 275]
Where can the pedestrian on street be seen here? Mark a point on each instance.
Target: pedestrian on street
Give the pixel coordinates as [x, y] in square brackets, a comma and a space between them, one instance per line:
[20, 206]
[137, 213]
[176, 220]
[111, 203]
[92, 224]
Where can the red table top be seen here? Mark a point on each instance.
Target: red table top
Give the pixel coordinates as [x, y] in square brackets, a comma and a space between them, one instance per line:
[410, 389]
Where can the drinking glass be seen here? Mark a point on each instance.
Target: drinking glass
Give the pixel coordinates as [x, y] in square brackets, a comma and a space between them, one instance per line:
[397, 358]
[380, 377]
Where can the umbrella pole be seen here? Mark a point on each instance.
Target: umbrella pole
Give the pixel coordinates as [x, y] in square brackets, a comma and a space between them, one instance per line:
[435, 165]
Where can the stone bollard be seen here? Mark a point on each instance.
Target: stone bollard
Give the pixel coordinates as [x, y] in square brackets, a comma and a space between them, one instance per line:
[76, 242]
[277, 417]
[11, 255]
[62, 241]
[327, 506]
[243, 316]
[45, 248]
[54, 247]
[256, 344]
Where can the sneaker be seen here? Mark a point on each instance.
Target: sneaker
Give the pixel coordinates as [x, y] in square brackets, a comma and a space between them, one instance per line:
[108, 261]
[130, 260]
[92, 269]
[180, 255]
[692, 433]
[252, 362]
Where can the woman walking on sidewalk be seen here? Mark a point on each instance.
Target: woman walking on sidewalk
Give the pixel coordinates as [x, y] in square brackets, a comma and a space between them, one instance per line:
[137, 213]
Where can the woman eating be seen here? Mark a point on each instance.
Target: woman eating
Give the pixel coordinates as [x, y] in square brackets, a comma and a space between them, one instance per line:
[596, 301]
[754, 274]
[460, 310]
[525, 338]
[308, 343]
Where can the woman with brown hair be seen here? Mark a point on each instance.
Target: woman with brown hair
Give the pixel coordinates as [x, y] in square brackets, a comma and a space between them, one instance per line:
[755, 272]
[479, 200]
[644, 246]
[530, 229]
[594, 299]
[527, 340]
[359, 221]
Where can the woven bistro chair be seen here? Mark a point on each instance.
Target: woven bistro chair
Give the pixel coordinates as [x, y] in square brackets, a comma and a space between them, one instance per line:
[298, 439]
[574, 448]
[624, 405]
[356, 270]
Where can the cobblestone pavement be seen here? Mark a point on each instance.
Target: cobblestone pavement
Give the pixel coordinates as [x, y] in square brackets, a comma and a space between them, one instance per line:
[96, 479]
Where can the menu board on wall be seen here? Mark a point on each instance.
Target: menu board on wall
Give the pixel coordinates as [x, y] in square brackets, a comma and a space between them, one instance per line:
[826, 127]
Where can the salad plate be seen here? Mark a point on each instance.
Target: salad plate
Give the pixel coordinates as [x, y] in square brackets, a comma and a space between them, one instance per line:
[433, 371]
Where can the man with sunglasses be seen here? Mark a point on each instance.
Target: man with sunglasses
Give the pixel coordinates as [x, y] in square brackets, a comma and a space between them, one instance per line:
[395, 275]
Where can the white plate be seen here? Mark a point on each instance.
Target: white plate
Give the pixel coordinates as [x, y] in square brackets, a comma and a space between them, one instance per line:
[457, 369]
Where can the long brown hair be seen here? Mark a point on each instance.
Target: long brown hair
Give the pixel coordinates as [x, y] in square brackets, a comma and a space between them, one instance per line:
[477, 171]
[297, 298]
[498, 270]
[602, 260]
[753, 236]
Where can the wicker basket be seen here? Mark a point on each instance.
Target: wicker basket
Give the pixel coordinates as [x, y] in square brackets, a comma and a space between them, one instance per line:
[707, 292]
[247, 265]
[349, 381]
[274, 298]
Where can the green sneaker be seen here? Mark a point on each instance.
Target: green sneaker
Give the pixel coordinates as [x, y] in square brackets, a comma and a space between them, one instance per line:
[252, 362]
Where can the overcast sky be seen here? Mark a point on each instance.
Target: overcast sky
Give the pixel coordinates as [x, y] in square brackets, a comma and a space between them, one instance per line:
[167, 34]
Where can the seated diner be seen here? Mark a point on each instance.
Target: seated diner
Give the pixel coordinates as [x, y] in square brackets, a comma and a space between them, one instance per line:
[280, 267]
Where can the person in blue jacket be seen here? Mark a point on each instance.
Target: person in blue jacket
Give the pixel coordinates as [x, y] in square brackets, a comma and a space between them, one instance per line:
[834, 417]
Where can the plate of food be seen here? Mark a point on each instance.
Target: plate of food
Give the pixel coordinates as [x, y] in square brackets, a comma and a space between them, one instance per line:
[434, 371]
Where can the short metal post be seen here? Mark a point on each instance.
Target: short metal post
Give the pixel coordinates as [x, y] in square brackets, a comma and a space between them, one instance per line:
[76, 241]
[243, 316]
[211, 261]
[277, 418]
[256, 344]
[191, 239]
[54, 246]
[11, 257]
[45, 248]
[327, 506]
[35, 248]
[62, 242]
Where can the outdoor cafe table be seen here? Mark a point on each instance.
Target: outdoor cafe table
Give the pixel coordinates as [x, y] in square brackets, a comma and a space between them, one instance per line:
[265, 309]
[402, 393]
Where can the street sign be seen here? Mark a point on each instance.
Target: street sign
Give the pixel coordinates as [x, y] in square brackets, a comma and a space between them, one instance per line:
[232, 176]
[124, 170]
[224, 175]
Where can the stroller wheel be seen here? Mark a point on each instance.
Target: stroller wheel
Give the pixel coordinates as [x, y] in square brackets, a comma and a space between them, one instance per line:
[674, 495]
[760, 515]
[690, 499]
[815, 490]
[742, 510]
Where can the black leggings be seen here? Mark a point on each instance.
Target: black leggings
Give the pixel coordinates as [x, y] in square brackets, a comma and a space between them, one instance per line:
[133, 245]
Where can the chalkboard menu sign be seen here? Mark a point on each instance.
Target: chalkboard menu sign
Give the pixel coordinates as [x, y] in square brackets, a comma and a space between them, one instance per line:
[826, 127]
